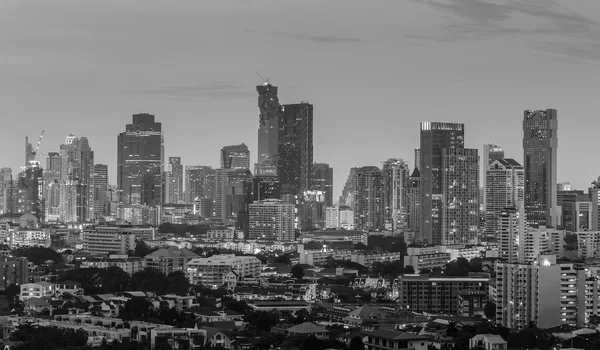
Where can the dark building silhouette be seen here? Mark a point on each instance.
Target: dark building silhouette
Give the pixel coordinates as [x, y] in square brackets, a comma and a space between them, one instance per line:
[268, 130]
[200, 183]
[322, 180]
[435, 137]
[30, 187]
[540, 146]
[368, 199]
[139, 162]
[100, 189]
[266, 187]
[414, 201]
[295, 151]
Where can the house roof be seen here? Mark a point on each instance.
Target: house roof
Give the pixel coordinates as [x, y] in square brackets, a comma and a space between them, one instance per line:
[366, 311]
[211, 331]
[36, 302]
[307, 328]
[172, 252]
[395, 335]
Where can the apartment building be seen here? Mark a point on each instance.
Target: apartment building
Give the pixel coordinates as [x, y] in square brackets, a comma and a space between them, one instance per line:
[114, 239]
[13, 270]
[129, 264]
[427, 261]
[222, 269]
[170, 260]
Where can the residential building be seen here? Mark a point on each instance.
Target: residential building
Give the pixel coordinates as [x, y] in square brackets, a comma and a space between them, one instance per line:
[490, 153]
[331, 217]
[200, 183]
[504, 189]
[76, 180]
[435, 138]
[414, 201]
[295, 148]
[173, 178]
[13, 270]
[540, 147]
[576, 212]
[128, 264]
[511, 227]
[349, 190]
[588, 243]
[308, 329]
[429, 260]
[322, 180]
[387, 339]
[336, 236]
[368, 206]
[140, 162]
[170, 260]
[224, 269]
[268, 130]
[36, 290]
[100, 188]
[271, 219]
[488, 342]
[395, 174]
[311, 211]
[114, 239]
[595, 208]
[235, 157]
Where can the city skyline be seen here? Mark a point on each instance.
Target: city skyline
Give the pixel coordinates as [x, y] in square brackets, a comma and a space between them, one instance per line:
[224, 93]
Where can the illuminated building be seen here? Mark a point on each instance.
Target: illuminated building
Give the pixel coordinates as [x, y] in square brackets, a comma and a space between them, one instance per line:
[414, 201]
[200, 183]
[295, 148]
[490, 153]
[368, 206]
[174, 182]
[266, 187]
[435, 137]
[322, 180]
[76, 180]
[235, 157]
[540, 147]
[100, 189]
[272, 219]
[140, 162]
[395, 184]
[504, 188]
[268, 129]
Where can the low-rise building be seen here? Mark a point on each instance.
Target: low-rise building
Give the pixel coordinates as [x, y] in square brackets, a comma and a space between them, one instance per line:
[488, 342]
[170, 260]
[384, 339]
[13, 270]
[427, 261]
[129, 264]
[225, 269]
[308, 329]
[37, 290]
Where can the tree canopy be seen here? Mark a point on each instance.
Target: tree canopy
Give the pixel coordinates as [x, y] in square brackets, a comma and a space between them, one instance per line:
[297, 271]
[39, 255]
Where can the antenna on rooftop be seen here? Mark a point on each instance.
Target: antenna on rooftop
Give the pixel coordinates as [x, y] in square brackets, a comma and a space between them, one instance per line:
[265, 81]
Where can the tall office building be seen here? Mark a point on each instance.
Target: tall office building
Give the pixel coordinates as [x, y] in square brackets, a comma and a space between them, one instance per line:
[540, 147]
[268, 130]
[199, 182]
[295, 148]
[417, 157]
[435, 137]
[490, 153]
[368, 206]
[52, 183]
[322, 180]
[140, 162]
[460, 189]
[272, 219]
[29, 153]
[233, 193]
[31, 191]
[76, 180]
[311, 211]
[395, 184]
[174, 181]
[235, 157]
[505, 187]
[414, 201]
[349, 190]
[100, 189]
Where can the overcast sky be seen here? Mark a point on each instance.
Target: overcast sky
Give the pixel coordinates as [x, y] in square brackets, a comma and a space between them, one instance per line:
[373, 70]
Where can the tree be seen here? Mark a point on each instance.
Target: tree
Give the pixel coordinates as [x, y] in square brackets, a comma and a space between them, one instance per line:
[490, 310]
[39, 255]
[595, 319]
[424, 271]
[12, 291]
[113, 280]
[149, 279]
[136, 307]
[357, 343]
[282, 259]
[142, 249]
[297, 271]
[177, 283]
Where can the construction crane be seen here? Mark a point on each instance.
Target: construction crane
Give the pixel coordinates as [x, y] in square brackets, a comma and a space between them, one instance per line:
[265, 81]
[34, 153]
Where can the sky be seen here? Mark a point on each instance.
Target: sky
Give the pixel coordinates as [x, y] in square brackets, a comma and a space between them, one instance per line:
[372, 69]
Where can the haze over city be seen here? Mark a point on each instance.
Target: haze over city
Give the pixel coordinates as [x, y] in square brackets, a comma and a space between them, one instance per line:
[373, 70]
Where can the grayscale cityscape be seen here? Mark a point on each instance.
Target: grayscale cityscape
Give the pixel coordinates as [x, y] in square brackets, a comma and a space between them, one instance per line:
[453, 220]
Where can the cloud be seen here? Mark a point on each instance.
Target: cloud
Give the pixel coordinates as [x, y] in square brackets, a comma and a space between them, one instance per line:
[218, 90]
[326, 39]
[571, 51]
[483, 19]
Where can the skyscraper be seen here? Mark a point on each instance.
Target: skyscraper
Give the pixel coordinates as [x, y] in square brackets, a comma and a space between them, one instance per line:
[322, 180]
[174, 181]
[368, 205]
[235, 157]
[139, 162]
[417, 157]
[268, 129]
[490, 153]
[395, 183]
[504, 189]
[540, 146]
[435, 137]
[199, 182]
[100, 189]
[76, 180]
[29, 153]
[460, 193]
[414, 201]
[52, 184]
[295, 149]
[271, 219]
[266, 187]
[349, 190]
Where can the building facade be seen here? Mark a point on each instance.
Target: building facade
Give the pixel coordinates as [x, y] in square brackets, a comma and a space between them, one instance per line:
[395, 184]
[235, 157]
[268, 130]
[173, 191]
[540, 147]
[295, 148]
[272, 219]
[504, 189]
[490, 153]
[322, 180]
[414, 201]
[369, 201]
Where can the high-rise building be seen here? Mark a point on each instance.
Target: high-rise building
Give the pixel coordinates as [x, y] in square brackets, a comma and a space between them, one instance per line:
[490, 153]
[76, 180]
[174, 181]
[435, 137]
[29, 153]
[268, 130]
[504, 188]
[417, 157]
[595, 209]
[577, 212]
[233, 193]
[295, 148]
[100, 189]
[199, 183]
[511, 227]
[235, 157]
[10, 192]
[31, 191]
[322, 180]
[349, 189]
[460, 193]
[540, 147]
[311, 211]
[414, 201]
[395, 184]
[272, 219]
[140, 162]
[266, 187]
[368, 206]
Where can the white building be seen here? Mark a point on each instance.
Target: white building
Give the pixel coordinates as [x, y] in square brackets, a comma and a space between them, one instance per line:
[511, 226]
[272, 219]
[331, 217]
[504, 188]
[588, 244]
[37, 290]
[219, 270]
[108, 240]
